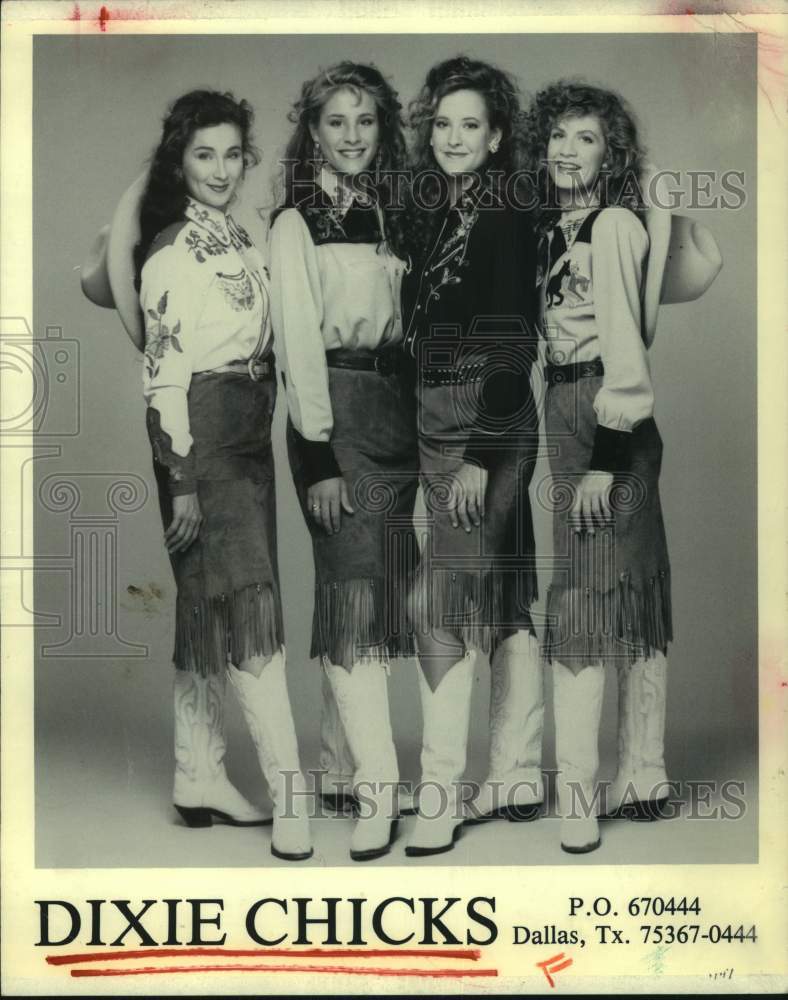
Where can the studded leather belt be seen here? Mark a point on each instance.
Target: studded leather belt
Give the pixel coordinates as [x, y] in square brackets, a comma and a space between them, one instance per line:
[457, 375]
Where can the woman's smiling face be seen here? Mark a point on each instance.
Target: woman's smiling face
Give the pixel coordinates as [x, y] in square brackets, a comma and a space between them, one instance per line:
[213, 164]
[575, 152]
[461, 132]
[348, 131]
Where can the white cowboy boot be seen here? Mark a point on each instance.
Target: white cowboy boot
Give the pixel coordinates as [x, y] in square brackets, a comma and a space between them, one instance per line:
[266, 707]
[337, 765]
[577, 704]
[361, 695]
[336, 760]
[202, 792]
[514, 787]
[640, 787]
[447, 713]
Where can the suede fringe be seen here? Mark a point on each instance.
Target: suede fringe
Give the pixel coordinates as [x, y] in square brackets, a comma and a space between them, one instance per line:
[473, 606]
[362, 618]
[586, 626]
[239, 625]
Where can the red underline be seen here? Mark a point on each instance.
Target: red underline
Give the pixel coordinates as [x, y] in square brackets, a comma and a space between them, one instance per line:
[469, 954]
[338, 969]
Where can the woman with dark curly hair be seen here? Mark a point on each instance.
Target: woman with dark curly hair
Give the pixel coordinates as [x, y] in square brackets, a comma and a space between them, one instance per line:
[471, 336]
[210, 388]
[610, 597]
[351, 434]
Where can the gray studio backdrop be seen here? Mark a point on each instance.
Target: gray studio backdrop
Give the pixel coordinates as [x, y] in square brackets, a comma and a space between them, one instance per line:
[103, 676]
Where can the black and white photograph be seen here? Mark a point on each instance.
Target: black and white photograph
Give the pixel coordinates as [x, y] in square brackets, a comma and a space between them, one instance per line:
[389, 499]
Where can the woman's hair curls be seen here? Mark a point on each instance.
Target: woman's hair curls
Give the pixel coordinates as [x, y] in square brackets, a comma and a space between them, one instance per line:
[502, 101]
[299, 163]
[165, 194]
[620, 178]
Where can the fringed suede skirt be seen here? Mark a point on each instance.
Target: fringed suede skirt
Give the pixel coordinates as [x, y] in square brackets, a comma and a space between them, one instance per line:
[228, 603]
[362, 573]
[478, 586]
[609, 600]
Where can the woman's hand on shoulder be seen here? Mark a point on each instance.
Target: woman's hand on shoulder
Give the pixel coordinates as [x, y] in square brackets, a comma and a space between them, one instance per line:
[592, 502]
[326, 500]
[466, 503]
[185, 524]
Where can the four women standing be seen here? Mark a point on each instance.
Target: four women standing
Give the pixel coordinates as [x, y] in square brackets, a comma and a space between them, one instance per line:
[374, 401]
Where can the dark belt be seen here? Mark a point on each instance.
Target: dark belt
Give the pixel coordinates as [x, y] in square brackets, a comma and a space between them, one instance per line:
[560, 374]
[390, 361]
[459, 375]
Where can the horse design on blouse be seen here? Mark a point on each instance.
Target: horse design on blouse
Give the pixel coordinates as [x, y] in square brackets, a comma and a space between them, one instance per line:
[554, 294]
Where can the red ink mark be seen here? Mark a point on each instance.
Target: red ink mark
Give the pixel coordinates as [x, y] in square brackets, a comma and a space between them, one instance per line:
[107, 14]
[784, 684]
[348, 970]
[549, 965]
[468, 954]
[357, 969]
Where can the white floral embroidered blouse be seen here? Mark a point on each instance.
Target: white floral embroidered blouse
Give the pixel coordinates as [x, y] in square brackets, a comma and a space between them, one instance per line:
[204, 295]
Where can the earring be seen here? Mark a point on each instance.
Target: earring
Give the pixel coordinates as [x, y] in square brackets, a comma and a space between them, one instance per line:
[378, 161]
[494, 145]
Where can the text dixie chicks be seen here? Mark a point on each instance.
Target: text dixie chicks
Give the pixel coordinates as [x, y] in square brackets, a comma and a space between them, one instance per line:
[272, 921]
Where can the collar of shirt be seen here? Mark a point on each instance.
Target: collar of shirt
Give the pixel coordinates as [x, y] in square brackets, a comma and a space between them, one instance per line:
[210, 219]
[570, 223]
[483, 191]
[341, 196]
